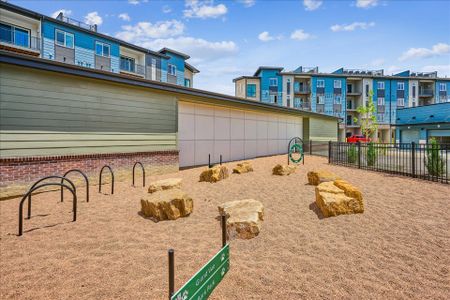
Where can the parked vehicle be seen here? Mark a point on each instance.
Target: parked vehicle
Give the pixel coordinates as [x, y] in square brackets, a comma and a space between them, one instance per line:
[358, 138]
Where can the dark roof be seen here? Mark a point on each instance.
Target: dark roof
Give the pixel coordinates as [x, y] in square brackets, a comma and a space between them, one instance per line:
[63, 68]
[245, 77]
[267, 68]
[164, 50]
[191, 68]
[36, 15]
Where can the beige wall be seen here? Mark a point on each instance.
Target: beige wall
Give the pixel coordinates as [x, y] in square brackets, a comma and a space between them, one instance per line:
[323, 129]
[189, 75]
[34, 25]
[241, 88]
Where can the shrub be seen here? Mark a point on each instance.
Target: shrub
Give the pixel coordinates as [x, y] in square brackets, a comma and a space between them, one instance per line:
[434, 162]
[371, 154]
[352, 154]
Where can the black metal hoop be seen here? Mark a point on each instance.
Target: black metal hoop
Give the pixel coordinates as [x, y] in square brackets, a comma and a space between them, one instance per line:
[31, 190]
[100, 179]
[85, 179]
[45, 178]
[143, 172]
[296, 140]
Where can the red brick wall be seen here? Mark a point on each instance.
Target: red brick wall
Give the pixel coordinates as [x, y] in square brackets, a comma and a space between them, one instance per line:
[18, 173]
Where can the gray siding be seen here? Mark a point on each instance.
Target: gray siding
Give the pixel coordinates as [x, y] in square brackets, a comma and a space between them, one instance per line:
[46, 113]
[148, 61]
[64, 54]
[102, 63]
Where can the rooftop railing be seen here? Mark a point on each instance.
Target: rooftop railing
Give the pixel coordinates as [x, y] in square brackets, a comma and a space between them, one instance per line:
[63, 18]
[364, 72]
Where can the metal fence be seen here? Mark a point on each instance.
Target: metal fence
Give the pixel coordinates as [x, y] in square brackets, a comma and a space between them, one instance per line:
[425, 161]
[316, 148]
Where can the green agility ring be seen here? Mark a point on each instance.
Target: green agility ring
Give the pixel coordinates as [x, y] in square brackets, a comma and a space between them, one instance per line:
[296, 148]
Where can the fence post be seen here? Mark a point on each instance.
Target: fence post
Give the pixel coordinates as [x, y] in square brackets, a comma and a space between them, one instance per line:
[310, 147]
[413, 159]
[329, 151]
[224, 229]
[171, 273]
[359, 155]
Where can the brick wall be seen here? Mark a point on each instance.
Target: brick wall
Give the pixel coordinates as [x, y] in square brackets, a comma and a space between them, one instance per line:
[17, 174]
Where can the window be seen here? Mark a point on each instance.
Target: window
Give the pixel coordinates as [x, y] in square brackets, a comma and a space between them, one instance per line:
[251, 90]
[337, 100]
[320, 83]
[102, 49]
[187, 82]
[400, 102]
[153, 68]
[127, 64]
[297, 102]
[273, 81]
[320, 99]
[367, 90]
[442, 87]
[380, 85]
[273, 98]
[414, 91]
[64, 39]
[337, 84]
[172, 70]
[401, 86]
[14, 35]
[288, 87]
[288, 101]
[381, 101]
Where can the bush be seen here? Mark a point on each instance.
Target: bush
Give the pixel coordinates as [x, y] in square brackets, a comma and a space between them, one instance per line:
[371, 154]
[352, 154]
[434, 162]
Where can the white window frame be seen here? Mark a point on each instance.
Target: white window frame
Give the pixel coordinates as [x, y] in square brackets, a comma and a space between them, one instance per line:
[380, 85]
[337, 84]
[337, 100]
[401, 102]
[273, 80]
[172, 67]
[65, 33]
[320, 99]
[401, 86]
[442, 87]
[320, 83]
[103, 51]
[381, 101]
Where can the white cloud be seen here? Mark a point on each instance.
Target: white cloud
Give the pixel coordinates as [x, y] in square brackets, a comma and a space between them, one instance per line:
[265, 36]
[166, 9]
[136, 2]
[366, 3]
[443, 70]
[300, 35]
[125, 17]
[93, 18]
[203, 9]
[377, 62]
[248, 3]
[143, 31]
[352, 27]
[66, 12]
[312, 4]
[436, 50]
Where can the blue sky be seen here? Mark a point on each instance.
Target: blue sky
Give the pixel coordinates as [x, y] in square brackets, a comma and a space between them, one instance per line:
[226, 39]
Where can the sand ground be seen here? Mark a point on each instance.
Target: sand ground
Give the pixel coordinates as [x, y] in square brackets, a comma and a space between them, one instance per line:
[398, 249]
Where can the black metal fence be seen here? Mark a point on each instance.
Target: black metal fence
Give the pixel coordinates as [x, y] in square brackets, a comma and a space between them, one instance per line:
[315, 148]
[425, 161]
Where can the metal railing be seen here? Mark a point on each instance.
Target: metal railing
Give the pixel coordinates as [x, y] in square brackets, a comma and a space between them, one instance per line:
[425, 161]
[302, 90]
[20, 39]
[77, 23]
[427, 92]
[133, 68]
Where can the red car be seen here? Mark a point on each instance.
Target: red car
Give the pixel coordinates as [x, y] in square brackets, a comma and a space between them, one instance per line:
[357, 138]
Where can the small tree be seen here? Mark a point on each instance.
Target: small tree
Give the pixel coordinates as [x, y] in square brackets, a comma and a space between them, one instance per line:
[434, 162]
[369, 127]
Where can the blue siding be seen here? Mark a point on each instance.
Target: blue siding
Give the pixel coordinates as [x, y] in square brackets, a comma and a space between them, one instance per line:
[383, 118]
[329, 96]
[265, 75]
[178, 62]
[164, 70]
[435, 113]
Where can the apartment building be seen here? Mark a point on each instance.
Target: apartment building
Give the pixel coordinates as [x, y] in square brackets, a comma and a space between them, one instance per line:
[341, 92]
[66, 40]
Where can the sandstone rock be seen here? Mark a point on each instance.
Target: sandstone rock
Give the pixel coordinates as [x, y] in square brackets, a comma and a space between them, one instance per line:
[283, 169]
[214, 174]
[165, 184]
[167, 205]
[333, 201]
[317, 177]
[244, 218]
[244, 167]
[349, 190]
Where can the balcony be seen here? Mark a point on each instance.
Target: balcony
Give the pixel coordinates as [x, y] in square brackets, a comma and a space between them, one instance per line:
[381, 109]
[426, 92]
[302, 90]
[19, 41]
[132, 69]
[352, 123]
[337, 108]
[320, 108]
[353, 92]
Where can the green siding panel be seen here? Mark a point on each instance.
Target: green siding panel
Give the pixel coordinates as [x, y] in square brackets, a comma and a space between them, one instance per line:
[46, 113]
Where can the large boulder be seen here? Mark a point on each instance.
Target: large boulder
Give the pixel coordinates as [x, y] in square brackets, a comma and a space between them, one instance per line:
[243, 167]
[349, 190]
[214, 174]
[283, 169]
[317, 177]
[244, 218]
[333, 201]
[167, 205]
[165, 184]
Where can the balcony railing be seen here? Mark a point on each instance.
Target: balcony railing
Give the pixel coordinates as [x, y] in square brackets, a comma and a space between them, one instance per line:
[76, 22]
[426, 92]
[20, 39]
[132, 68]
[302, 90]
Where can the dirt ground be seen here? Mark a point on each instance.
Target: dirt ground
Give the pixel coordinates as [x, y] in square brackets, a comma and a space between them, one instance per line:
[398, 249]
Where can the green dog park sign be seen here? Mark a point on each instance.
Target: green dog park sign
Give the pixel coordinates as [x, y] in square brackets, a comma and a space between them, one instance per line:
[201, 285]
